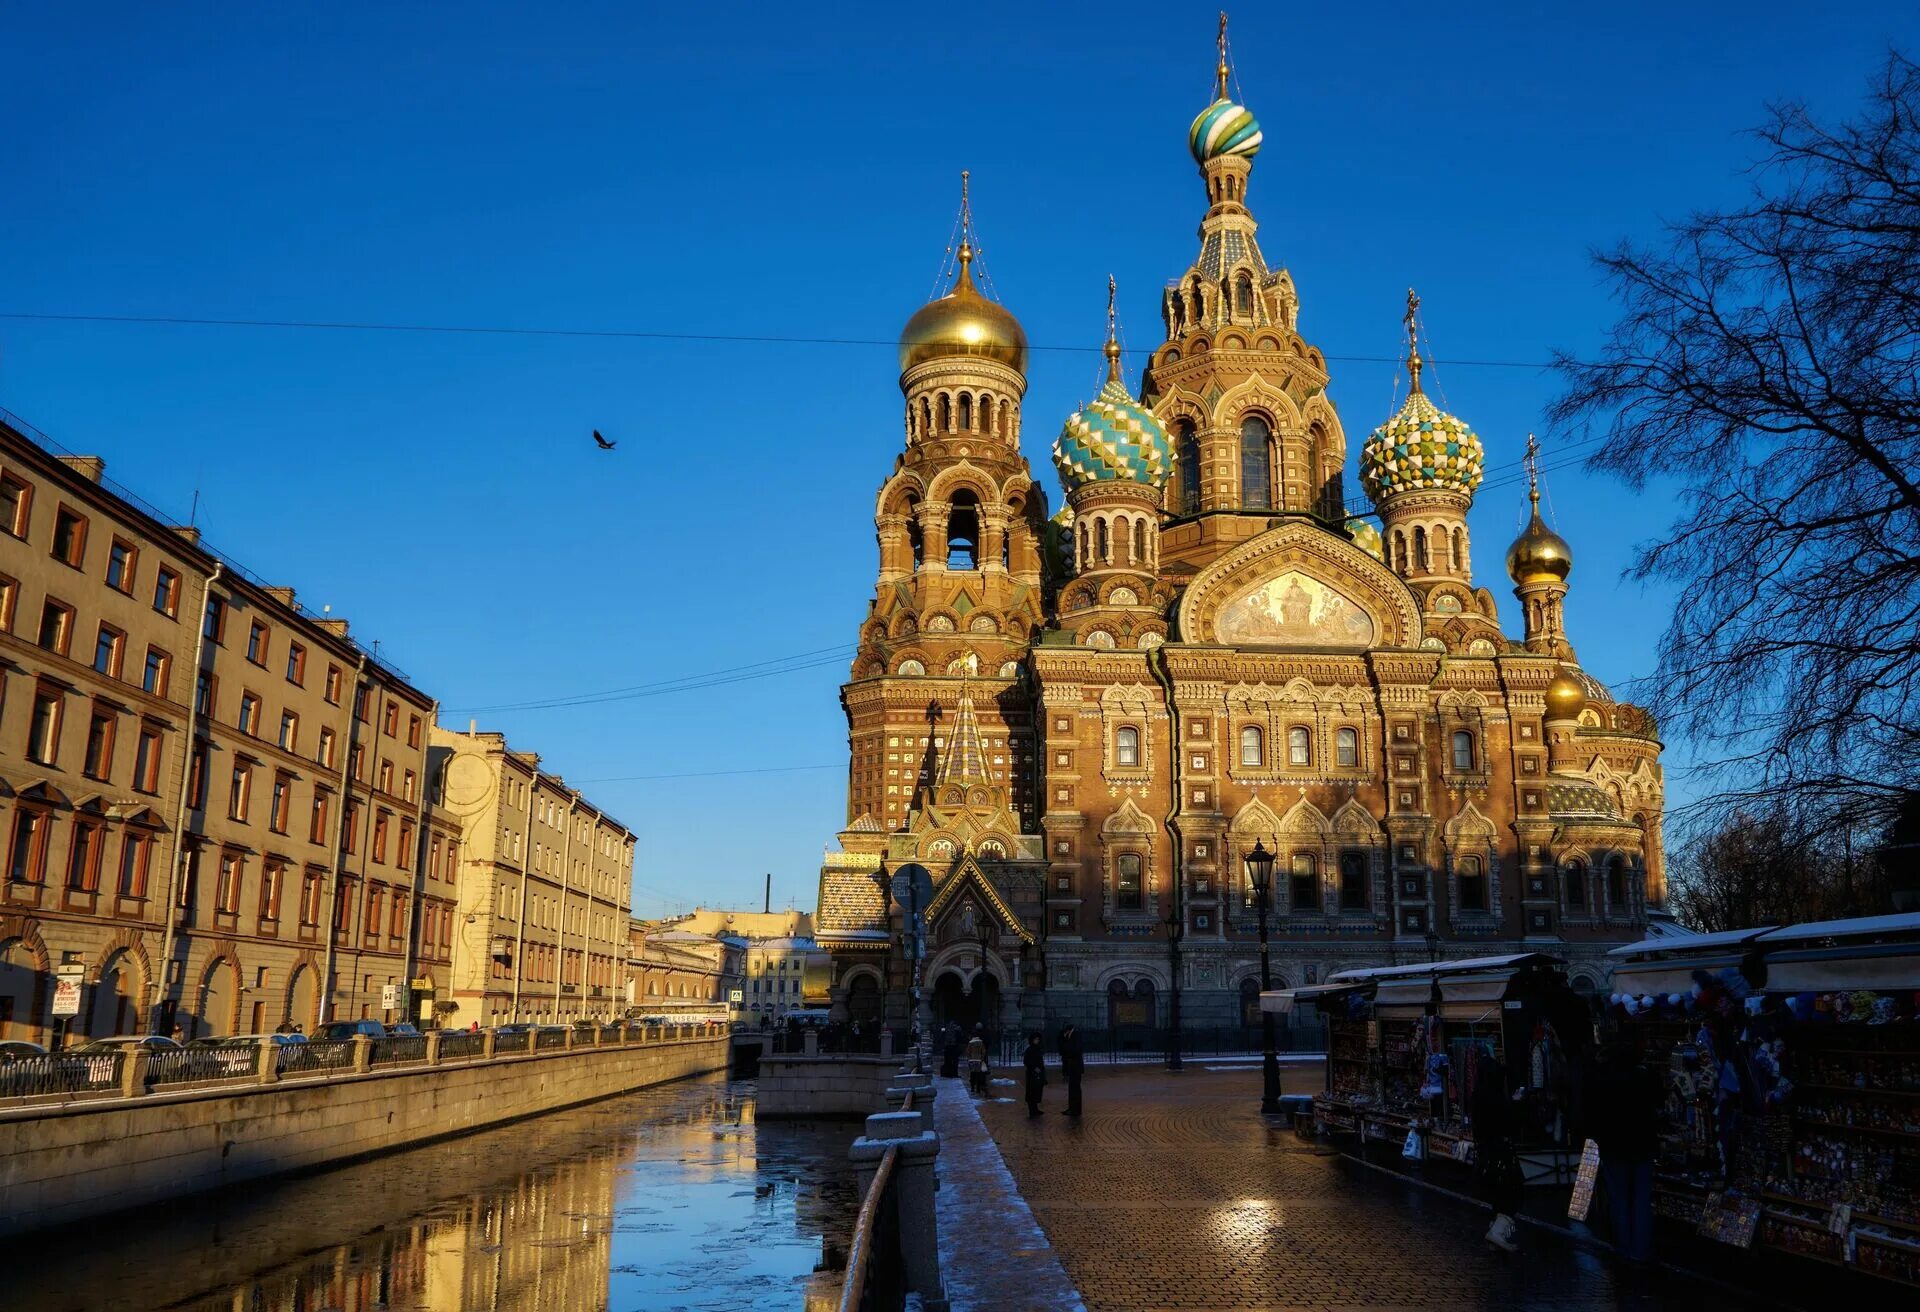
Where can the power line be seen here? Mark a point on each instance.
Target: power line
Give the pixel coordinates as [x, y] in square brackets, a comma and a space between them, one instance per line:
[631, 334]
[708, 774]
[686, 683]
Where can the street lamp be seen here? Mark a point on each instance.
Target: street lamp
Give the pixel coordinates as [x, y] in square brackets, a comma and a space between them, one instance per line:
[1260, 872]
[1176, 928]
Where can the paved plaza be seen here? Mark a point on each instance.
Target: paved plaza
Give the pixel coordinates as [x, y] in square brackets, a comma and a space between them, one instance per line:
[1173, 1192]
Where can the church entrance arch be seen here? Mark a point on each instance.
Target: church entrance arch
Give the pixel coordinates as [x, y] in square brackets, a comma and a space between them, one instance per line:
[952, 1001]
[863, 999]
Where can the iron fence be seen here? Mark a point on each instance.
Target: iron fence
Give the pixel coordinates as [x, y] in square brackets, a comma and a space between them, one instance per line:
[316, 1057]
[515, 1041]
[399, 1050]
[199, 1065]
[462, 1047]
[549, 1039]
[1141, 1043]
[62, 1075]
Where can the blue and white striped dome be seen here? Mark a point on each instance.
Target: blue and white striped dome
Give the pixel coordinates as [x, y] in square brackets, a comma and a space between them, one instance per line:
[1224, 128]
[1112, 440]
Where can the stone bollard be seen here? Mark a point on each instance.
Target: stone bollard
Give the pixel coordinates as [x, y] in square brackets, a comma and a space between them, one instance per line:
[362, 1053]
[923, 1097]
[567, 1040]
[486, 1046]
[433, 1048]
[810, 1042]
[133, 1074]
[913, 1185]
[266, 1063]
[886, 1043]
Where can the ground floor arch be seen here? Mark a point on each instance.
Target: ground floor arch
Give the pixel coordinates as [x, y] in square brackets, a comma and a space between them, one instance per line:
[114, 1007]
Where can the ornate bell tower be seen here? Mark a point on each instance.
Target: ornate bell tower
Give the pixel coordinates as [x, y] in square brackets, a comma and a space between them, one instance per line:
[1539, 562]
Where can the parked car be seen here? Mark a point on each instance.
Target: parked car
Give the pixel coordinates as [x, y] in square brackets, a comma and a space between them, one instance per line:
[335, 1030]
[15, 1049]
[404, 1030]
[127, 1042]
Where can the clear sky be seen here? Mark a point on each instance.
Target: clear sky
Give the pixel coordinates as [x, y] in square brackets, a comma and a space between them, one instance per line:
[784, 171]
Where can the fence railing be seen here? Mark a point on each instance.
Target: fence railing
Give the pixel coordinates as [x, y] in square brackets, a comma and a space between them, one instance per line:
[70, 1076]
[1141, 1043]
[872, 1246]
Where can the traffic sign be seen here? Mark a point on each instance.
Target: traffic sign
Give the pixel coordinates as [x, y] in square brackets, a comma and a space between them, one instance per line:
[66, 995]
[912, 888]
[736, 996]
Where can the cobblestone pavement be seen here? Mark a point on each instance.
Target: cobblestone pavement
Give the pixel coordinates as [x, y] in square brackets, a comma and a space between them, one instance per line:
[1173, 1192]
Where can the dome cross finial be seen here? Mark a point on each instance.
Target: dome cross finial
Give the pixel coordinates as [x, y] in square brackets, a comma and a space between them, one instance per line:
[1413, 338]
[1113, 334]
[1221, 73]
[1532, 462]
[966, 234]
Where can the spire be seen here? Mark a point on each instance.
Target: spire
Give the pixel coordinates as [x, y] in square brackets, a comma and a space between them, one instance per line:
[966, 762]
[965, 277]
[1221, 73]
[1113, 335]
[1413, 338]
[1532, 462]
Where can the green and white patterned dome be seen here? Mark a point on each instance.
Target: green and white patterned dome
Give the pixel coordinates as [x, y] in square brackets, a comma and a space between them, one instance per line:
[1421, 448]
[1113, 439]
[1223, 128]
[1366, 536]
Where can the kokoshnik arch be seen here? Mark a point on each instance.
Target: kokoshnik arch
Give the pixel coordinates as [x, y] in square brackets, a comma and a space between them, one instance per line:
[1080, 723]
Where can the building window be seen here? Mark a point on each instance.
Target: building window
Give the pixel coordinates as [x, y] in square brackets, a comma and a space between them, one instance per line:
[198, 766]
[370, 925]
[1473, 883]
[203, 693]
[289, 731]
[98, 761]
[257, 643]
[215, 624]
[240, 791]
[120, 566]
[9, 596]
[154, 678]
[282, 803]
[166, 592]
[408, 782]
[1256, 464]
[1306, 883]
[1299, 746]
[108, 649]
[333, 685]
[136, 863]
[1129, 893]
[1574, 877]
[56, 627]
[296, 664]
[380, 837]
[403, 851]
[273, 874]
[83, 857]
[413, 731]
[1346, 747]
[16, 505]
[27, 862]
[310, 886]
[146, 762]
[317, 827]
[226, 895]
[1253, 747]
[1616, 885]
[325, 754]
[1126, 746]
[391, 726]
[249, 714]
[43, 728]
[1353, 881]
[69, 537]
[1462, 750]
[386, 775]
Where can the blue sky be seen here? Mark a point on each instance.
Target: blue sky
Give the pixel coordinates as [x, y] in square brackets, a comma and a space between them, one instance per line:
[783, 171]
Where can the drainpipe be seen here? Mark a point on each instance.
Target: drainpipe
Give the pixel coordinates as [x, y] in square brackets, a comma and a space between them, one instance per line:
[339, 831]
[163, 990]
[520, 930]
[1177, 921]
[560, 950]
[419, 853]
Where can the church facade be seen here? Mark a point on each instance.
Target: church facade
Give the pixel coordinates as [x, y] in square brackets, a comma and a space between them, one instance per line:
[1079, 723]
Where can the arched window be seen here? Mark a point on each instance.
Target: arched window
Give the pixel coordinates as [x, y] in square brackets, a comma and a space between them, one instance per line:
[1139, 541]
[963, 532]
[1299, 746]
[1243, 294]
[1574, 879]
[1397, 551]
[1256, 464]
[914, 538]
[1187, 456]
[1103, 549]
[1462, 750]
[1459, 551]
[1420, 548]
[1253, 747]
[966, 411]
[1250, 1001]
[1083, 545]
[1473, 883]
[1128, 891]
[1353, 881]
[1122, 540]
[945, 412]
[1616, 884]
[1346, 747]
[1305, 878]
[1126, 746]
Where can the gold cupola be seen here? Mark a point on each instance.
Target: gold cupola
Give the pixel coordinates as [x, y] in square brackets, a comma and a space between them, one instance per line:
[964, 322]
[1566, 698]
[1538, 554]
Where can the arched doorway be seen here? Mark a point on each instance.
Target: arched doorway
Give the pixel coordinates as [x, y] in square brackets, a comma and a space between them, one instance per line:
[114, 1008]
[303, 996]
[953, 1002]
[19, 989]
[863, 999]
[219, 991]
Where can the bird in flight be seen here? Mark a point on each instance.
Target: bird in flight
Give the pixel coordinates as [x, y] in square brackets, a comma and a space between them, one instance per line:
[604, 444]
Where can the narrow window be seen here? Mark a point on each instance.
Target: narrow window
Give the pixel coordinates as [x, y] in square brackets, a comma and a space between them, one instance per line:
[9, 595]
[146, 762]
[282, 803]
[1306, 883]
[1252, 746]
[136, 861]
[56, 627]
[43, 729]
[257, 643]
[1256, 464]
[1139, 541]
[1188, 458]
[249, 714]
[272, 875]
[325, 754]
[1126, 746]
[83, 857]
[1102, 548]
[1616, 885]
[1575, 877]
[1353, 881]
[215, 627]
[296, 664]
[107, 649]
[226, 895]
[333, 685]
[98, 761]
[28, 863]
[69, 537]
[1462, 750]
[154, 678]
[1473, 884]
[120, 566]
[1346, 747]
[16, 505]
[1299, 746]
[289, 731]
[1128, 894]
[317, 826]
[166, 592]
[240, 791]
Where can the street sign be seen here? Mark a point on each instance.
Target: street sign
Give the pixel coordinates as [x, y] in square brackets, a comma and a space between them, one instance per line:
[66, 996]
[736, 996]
[390, 997]
[912, 888]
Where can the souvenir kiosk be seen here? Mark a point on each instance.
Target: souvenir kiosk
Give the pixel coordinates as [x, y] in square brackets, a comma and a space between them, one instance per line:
[1402, 1042]
[1791, 1060]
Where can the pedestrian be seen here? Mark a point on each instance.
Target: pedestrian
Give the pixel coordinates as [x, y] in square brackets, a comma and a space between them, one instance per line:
[950, 1051]
[1072, 1065]
[1035, 1061]
[1623, 1117]
[179, 1033]
[1491, 1111]
[977, 1062]
[284, 1027]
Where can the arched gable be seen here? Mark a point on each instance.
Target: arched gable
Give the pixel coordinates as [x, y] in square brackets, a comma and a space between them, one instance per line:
[1129, 819]
[1256, 394]
[1303, 817]
[1469, 826]
[1354, 822]
[965, 475]
[1256, 817]
[1299, 586]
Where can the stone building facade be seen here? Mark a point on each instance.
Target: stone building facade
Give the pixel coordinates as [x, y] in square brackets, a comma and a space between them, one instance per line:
[1080, 725]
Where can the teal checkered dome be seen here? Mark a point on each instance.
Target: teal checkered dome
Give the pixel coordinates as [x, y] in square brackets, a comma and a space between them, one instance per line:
[1423, 447]
[1114, 439]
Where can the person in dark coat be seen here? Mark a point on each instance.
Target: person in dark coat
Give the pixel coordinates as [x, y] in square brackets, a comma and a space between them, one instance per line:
[1622, 1106]
[1072, 1065]
[1493, 1128]
[977, 1062]
[950, 1051]
[1035, 1060]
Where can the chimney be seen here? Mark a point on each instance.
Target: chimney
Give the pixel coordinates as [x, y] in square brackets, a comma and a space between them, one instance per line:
[338, 628]
[91, 468]
[188, 534]
[282, 595]
[473, 727]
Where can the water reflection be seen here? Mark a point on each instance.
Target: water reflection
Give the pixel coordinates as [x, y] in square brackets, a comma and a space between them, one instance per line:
[668, 1198]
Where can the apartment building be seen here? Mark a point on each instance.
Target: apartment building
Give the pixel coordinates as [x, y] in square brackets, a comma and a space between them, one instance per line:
[541, 930]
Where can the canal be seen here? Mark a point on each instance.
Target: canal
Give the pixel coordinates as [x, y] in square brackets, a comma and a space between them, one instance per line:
[672, 1197]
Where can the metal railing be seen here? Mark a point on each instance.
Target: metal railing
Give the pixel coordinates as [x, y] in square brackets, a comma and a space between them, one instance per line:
[543, 1039]
[1141, 1043]
[869, 1247]
[463, 1047]
[200, 1065]
[399, 1050]
[316, 1057]
[61, 1075]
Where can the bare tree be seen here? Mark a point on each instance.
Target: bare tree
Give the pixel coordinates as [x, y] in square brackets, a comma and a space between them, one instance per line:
[1768, 869]
[1769, 361]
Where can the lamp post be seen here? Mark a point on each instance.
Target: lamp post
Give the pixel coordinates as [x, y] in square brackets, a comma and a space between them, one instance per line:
[1176, 927]
[1259, 864]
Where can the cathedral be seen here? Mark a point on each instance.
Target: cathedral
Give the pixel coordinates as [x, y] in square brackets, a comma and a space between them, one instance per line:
[1078, 724]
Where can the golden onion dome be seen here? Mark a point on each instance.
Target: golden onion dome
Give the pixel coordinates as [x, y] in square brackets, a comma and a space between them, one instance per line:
[1539, 553]
[1565, 697]
[963, 323]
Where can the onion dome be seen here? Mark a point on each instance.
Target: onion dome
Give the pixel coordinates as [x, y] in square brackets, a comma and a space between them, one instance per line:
[1224, 128]
[1113, 439]
[963, 323]
[1565, 697]
[1366, 537]
[1423, 447]
[1538, 555]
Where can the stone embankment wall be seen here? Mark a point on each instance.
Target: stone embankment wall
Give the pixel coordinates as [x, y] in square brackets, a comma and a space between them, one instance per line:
[825, 1085]
[80, 1160]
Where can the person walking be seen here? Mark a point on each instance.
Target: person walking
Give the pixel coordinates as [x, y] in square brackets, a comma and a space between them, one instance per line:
[977, 1062]
[1035, 1060]
[1623, 1117]
[1493, 1126]
[1072, 1065]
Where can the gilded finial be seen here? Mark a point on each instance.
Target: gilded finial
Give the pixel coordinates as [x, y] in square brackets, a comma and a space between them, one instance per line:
[1113, 334]
[1413, 338]
[965, 278]
[1532, 463]
[1220, 91]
